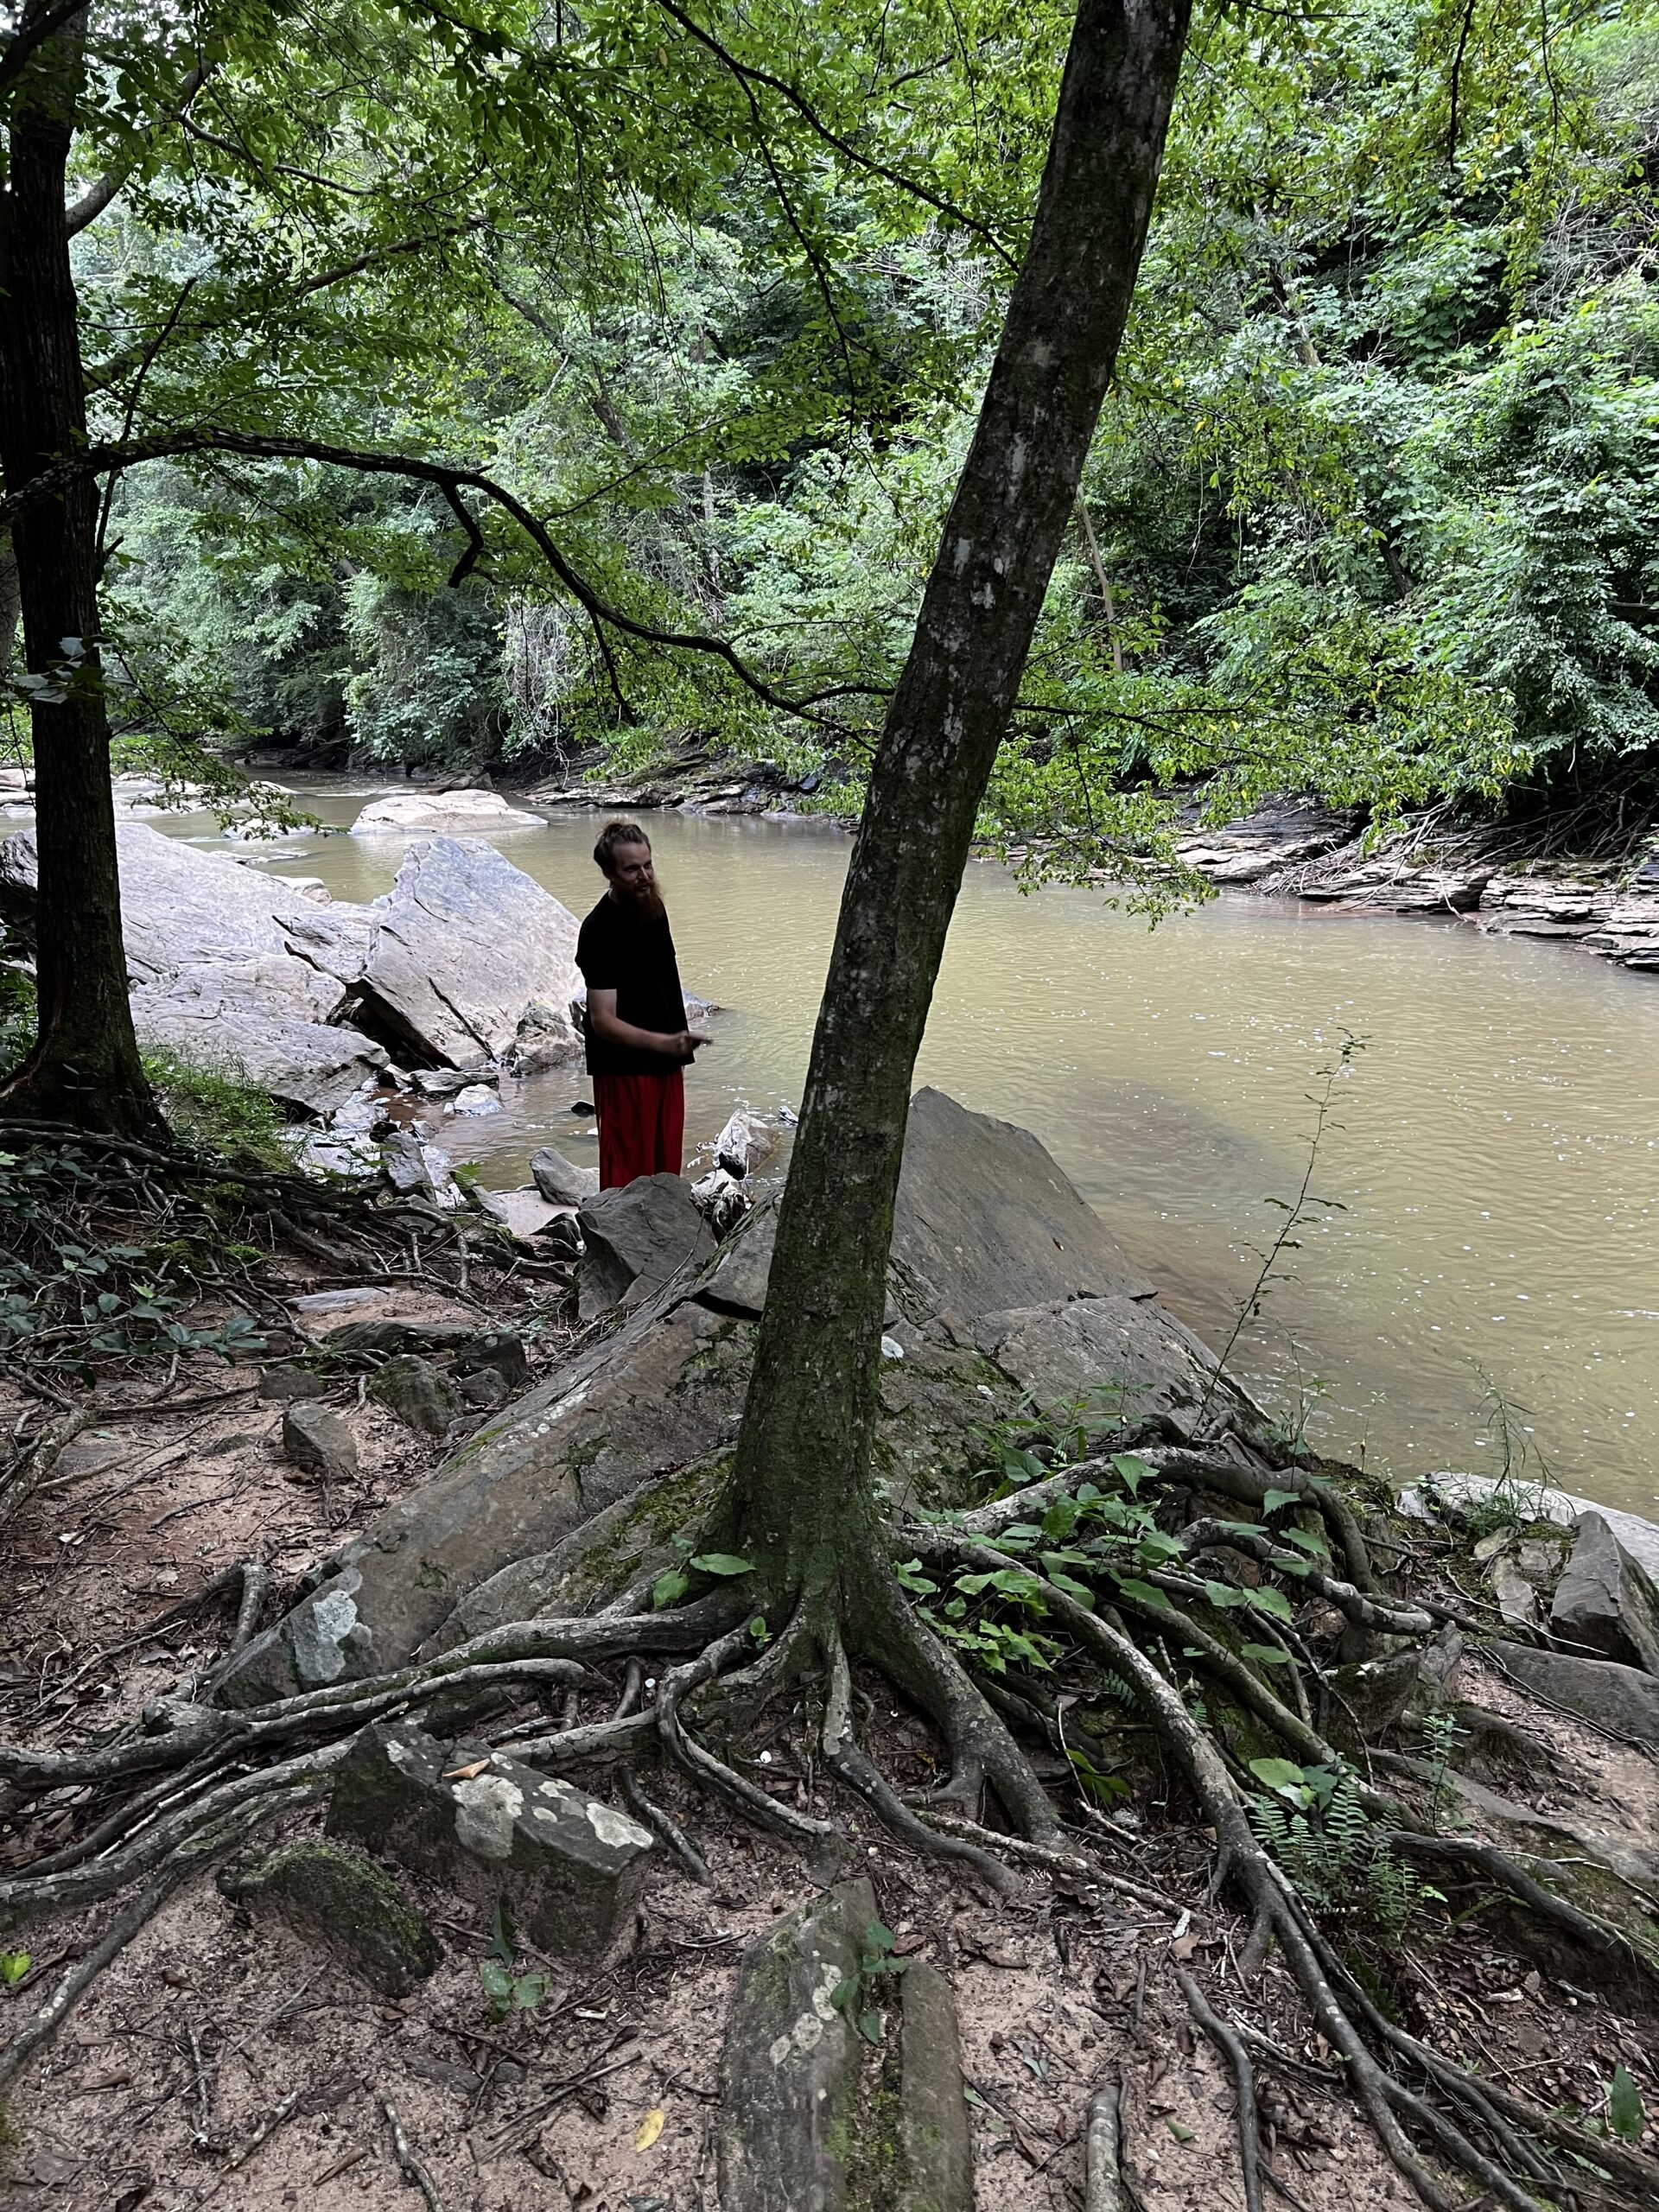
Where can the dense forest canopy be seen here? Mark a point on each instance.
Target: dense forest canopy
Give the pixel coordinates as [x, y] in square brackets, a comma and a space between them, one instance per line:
[1370, 511]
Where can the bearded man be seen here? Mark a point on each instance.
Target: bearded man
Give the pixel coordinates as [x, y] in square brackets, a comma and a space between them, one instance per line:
[639, 1045]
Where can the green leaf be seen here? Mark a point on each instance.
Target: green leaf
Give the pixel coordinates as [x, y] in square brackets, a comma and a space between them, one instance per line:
[844, 1992]
[1144, 1591]
[1280, 1775]
[1181, 2134]
[1273, 1602]
[14, 1965]
[1223, 1594]
[1268, 1655]
[669, 1588]
[1305, 1539]
[1276, 1498]
[869, 2027]
[878, 1938]
[722, 1563]
[1625, 2114]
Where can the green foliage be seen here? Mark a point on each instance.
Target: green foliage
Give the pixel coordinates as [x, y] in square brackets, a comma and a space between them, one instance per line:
[1311, 1820]
[855, 1996]
[216, 1108]
[508, 1991]
[17, 1016]
[69, 1303]
[14, 1965]
[1625, 2114]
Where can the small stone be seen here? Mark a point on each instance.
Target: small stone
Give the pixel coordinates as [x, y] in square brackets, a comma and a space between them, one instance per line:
[403, 1163]
[337, 1898]
[560, 1181]
[477, 1099]
[485, 1390]
[569, 1866]
[412, 1388]
[1517, 1600]
[562, 1238]
[282, 1384]
[500, 1352]
[317, 1439]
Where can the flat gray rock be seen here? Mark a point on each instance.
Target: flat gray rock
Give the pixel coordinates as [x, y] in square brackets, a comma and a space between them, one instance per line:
[463, 943]
[1624, 1700]
[986, 1219]
[569, 1866]
[637, 1239]
[406, 813]
[1128, 1355]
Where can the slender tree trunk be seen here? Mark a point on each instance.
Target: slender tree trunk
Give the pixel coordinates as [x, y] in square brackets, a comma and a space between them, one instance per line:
[85, 1067]
[800, 1500]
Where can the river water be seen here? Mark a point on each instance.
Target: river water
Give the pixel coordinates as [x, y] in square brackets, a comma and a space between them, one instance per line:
[1494, 1145]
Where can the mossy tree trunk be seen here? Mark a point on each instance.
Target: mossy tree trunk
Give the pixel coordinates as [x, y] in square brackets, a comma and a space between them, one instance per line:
[800, 1502]
[85, 1067]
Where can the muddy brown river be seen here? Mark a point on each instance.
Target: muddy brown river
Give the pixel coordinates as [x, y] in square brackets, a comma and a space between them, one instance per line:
[1494, 1146]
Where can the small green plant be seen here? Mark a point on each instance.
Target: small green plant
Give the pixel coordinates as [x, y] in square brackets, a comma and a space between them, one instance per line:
[673, 1582]
[1311, 1820]
[854, 1996]
[218, 1107]
[14, 1965]
[507, 1990]
[1294, 1211]
[1442, 1734]
[1625, 2114]
[1515, 1499]
[17, 1016]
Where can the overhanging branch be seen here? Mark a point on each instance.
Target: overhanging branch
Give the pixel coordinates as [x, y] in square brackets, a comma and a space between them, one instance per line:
[451, 479]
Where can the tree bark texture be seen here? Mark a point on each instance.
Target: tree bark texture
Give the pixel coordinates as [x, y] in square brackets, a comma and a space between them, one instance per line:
[800, 1498]
[85, 1067]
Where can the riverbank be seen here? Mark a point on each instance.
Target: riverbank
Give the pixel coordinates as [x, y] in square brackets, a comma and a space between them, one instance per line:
[249, 2036]
[1508, 879]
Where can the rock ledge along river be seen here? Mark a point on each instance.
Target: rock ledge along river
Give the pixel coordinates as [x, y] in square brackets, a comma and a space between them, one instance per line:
[1495, 1145]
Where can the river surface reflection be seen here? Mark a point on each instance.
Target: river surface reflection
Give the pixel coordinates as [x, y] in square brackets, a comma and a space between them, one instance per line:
[1495, 1145]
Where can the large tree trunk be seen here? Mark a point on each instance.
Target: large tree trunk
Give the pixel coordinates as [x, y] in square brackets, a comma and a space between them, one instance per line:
[85, 1067]
[800, 1501]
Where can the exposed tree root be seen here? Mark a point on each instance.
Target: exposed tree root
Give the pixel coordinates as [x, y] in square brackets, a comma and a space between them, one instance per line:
[660, 1824]
[844, 1760]
[190, 1857]
[1383, 2096]
[1233, 2051]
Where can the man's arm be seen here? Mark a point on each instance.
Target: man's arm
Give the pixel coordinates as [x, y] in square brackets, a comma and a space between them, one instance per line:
[602, 1019]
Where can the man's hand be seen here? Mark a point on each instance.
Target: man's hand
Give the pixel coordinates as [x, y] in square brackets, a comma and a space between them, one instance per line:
[683, 1044]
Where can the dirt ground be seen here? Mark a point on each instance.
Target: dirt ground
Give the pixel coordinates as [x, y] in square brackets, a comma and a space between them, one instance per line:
[223, 2059]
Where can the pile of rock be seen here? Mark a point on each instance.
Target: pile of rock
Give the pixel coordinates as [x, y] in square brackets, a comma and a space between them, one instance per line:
[1580, 1581]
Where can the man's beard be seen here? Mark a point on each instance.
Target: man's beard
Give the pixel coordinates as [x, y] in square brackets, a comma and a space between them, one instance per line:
[648, 903]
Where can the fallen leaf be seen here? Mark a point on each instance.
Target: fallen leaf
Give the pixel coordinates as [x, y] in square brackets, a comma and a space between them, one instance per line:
[650, 2128]
[1000, 1955]
[466, 1773]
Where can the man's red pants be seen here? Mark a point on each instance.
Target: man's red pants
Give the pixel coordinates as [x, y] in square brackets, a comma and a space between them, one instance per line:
[641, 1126]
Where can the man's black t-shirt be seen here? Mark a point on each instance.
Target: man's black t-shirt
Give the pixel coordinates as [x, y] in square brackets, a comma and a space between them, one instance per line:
[621, 950]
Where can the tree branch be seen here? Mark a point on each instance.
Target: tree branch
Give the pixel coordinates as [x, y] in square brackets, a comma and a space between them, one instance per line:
[32, 33]
[748, 76]
[447, 477]
[96, 197]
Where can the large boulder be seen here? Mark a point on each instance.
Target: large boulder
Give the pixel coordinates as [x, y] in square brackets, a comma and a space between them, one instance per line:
[1127, 1355]
[464, 944]
[560, 1181]
[1623, 1700]
[228, 968]
[419, 813]
[636, 1239]
[1605, 1602]
[986, 1218]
